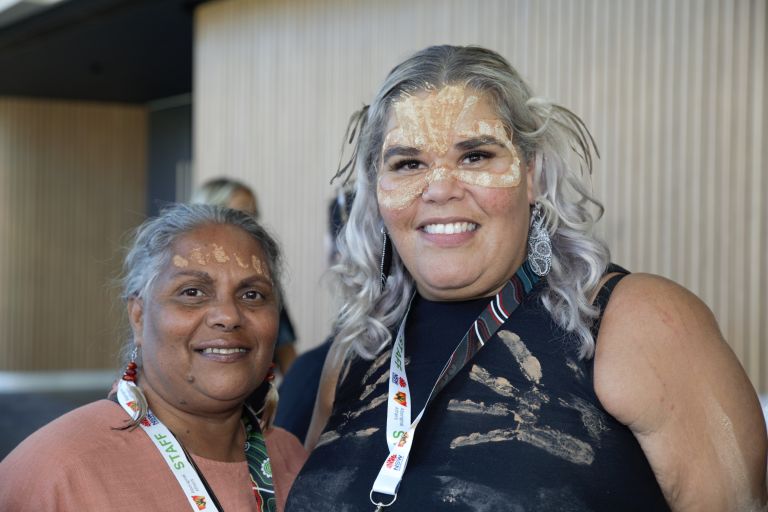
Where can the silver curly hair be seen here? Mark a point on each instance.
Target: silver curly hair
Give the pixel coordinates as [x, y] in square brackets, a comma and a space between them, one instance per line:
[550, 138]
[150, 252]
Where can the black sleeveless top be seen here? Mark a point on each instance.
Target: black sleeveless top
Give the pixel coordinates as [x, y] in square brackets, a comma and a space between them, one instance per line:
[519, 428]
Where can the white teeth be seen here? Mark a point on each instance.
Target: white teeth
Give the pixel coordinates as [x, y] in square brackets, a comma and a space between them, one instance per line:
[223, 350]
[450, 229]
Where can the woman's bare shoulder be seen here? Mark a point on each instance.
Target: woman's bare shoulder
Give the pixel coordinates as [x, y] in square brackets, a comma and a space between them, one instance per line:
[663, 368]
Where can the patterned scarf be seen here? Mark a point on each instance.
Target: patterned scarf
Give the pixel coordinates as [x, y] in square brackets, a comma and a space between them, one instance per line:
[259, 466]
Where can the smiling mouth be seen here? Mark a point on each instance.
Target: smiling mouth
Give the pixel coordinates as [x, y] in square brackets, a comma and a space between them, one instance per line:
[450, 229]
[223, 351]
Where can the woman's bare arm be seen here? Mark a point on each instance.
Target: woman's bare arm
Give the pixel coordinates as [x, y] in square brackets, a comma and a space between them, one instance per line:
[663, 369]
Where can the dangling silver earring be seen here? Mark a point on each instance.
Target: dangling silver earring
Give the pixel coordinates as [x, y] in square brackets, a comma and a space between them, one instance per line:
[386, 258]
[539, 244]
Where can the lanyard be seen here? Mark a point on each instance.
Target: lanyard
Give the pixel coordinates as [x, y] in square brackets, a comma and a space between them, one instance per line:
[173, 454]
[183, 467]
[400, 429]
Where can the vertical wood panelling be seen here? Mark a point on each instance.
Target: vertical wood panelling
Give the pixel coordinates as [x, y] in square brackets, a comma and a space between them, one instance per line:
[757, 238]
[673, 91]
[72, 178]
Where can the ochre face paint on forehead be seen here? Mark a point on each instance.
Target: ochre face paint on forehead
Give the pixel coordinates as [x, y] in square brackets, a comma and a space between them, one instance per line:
[256, 263]
[427, 123]
[197, 256]
[432, 124]
[240, 262]
[180, 262]
[218, 254]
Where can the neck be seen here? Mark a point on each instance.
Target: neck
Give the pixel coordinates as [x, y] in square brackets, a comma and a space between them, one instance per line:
[213, 435]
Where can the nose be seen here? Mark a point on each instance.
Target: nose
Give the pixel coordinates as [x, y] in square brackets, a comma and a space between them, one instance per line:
[441, 187]
[224, 314]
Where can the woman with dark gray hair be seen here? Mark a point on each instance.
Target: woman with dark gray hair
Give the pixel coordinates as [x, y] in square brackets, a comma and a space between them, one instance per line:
[202, 289]
[477, 345]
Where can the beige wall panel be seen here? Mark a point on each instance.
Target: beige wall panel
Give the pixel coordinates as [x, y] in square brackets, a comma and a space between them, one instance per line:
[673, 91]
[72, 178]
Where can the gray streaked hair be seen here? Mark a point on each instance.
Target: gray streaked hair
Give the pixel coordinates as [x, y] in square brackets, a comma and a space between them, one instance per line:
[150, 252]
[549, 137]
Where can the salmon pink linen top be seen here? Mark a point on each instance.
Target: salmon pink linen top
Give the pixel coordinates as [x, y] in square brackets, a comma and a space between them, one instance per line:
[78, 462]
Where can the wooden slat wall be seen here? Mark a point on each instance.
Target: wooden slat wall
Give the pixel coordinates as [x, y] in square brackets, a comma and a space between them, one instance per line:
[72, 179]
[675, 93]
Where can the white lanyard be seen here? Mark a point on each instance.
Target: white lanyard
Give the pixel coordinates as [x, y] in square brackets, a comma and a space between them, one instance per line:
[171, 451]
[400, 429]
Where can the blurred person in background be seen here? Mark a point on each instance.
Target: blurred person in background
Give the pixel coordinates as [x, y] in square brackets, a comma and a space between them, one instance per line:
[202, 289]
[298, 389]
[235, 194]
[488, 356]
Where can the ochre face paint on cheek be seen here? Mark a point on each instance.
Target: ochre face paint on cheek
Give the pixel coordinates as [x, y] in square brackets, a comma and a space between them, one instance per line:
[398, 192]
[433, 124]
[495, 129]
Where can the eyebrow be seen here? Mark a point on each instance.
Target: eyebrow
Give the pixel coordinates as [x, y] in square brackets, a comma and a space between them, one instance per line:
[477, 142]
[204, 276]
[258, 278]
[398, 150]
[193, 273]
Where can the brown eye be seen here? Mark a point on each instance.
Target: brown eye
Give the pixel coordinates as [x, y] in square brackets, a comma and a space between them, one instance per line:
[407, 165]
[476, 157]
[192, 292]
[253, 295]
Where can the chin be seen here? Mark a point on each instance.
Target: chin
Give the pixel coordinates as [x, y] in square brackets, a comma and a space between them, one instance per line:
[229, 394]
[446, 290]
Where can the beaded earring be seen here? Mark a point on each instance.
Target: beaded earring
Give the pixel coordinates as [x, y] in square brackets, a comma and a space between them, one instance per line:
[130, 370]
[270, 377]
[267, 411]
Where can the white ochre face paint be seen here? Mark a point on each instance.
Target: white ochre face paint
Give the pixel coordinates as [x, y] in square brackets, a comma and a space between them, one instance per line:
[180, 262]
[240, 262]
[218, 254]
[432, 126]
[256, 262]
[197, 256]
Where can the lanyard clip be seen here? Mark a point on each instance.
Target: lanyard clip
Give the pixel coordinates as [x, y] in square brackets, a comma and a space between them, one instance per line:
[380, 505]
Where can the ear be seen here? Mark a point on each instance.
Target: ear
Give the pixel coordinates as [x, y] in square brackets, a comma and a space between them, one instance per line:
[530, 171]
[136, 318]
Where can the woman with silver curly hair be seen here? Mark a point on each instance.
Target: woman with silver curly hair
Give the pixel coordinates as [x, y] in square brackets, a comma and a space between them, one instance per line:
[477, 344]
[202, 289]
